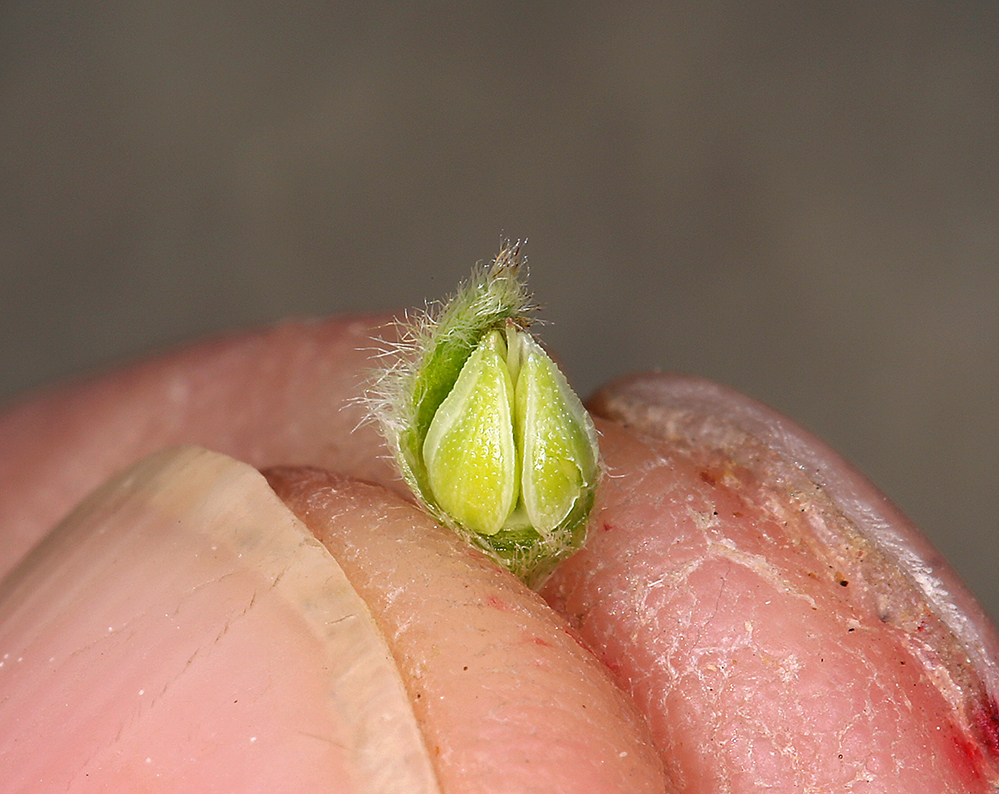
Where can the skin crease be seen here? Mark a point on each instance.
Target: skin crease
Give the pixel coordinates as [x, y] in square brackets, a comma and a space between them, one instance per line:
[723, 602]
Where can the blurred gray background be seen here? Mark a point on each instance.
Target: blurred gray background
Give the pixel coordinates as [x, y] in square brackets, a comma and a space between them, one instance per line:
[796, 199]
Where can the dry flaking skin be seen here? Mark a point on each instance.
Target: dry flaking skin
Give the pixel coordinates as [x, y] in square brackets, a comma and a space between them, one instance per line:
[483, 426]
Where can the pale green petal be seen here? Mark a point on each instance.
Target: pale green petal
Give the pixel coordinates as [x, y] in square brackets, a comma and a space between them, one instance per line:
[469, 450]
[556, 439]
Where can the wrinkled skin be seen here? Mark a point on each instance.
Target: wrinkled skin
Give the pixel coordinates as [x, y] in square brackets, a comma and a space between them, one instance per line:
[776, 635]
[780, 623]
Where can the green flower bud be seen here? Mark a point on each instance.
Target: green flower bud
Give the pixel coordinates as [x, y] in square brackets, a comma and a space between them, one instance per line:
[485, 429]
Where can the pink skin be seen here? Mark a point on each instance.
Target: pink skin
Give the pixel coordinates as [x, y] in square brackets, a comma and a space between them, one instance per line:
[556, 721]
[488, 666]
[182, 632]
[755, 666]
[279, 394]
[779, 622]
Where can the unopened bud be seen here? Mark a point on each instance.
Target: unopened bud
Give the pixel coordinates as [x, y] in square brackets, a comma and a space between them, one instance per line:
[486, 430]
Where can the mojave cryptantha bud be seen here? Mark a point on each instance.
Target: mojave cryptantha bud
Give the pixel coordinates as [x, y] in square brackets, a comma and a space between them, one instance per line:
[486, 430]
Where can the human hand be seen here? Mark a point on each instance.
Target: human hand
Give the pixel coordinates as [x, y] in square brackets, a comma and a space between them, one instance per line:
[712, 588]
